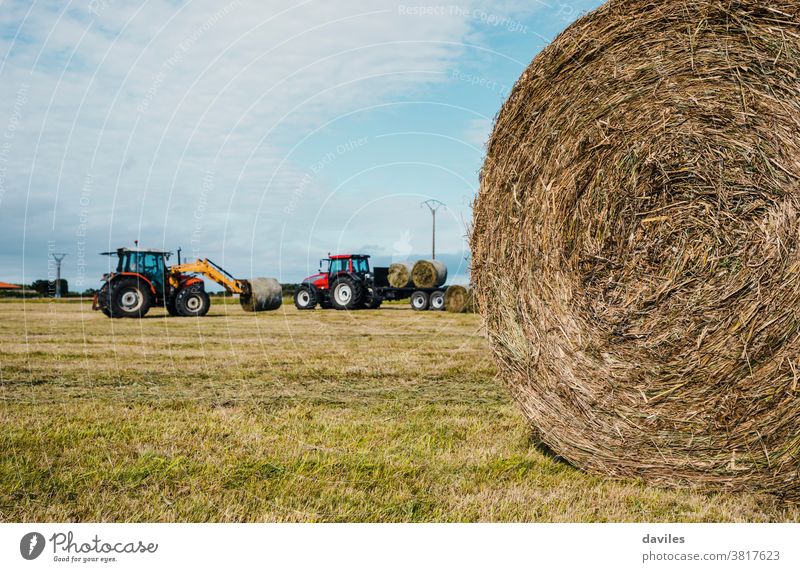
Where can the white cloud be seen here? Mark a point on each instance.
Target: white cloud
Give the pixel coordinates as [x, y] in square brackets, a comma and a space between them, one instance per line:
[128, 110]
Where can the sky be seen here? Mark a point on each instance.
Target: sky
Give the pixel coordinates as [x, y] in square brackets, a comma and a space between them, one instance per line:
[262, 134]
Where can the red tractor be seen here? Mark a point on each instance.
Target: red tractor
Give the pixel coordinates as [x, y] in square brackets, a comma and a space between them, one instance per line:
[344, 282]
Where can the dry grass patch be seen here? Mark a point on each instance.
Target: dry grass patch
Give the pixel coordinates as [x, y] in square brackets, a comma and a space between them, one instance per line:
[390, 415]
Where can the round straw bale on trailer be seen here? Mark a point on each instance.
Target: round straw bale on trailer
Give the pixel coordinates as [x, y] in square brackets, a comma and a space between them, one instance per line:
[636, 243]
[265, 295]
[457, 299]
[429, 273]
[400, 275]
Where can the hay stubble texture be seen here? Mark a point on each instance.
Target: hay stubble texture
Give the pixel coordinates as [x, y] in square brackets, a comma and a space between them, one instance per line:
[635, 243]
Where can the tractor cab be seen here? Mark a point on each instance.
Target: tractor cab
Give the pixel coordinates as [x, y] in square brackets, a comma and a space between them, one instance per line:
[150, 264]
[330, 268]
[357, 264]
[350, 263]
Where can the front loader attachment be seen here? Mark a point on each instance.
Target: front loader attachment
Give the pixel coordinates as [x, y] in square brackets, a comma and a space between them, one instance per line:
[256, 295]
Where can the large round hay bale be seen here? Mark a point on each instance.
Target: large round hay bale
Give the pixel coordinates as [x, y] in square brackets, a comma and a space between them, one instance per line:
[457, 300]
[635, 243]
[265, 295]
[400, 275]
[429, 273]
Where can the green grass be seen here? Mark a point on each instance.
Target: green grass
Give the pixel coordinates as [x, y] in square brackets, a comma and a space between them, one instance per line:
[320, 416]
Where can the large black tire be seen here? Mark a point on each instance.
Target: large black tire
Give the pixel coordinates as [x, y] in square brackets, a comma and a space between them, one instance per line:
[346, 293]
[305, 298]
[129, 297]
[192, 301]
[172, 309]
[372, 301]
[419, 301]
[436, 301]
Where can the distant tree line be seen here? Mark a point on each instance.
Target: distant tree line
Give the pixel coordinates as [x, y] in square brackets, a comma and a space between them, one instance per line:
[46, 289]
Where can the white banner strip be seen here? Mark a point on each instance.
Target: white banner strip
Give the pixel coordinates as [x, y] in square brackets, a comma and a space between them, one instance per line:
[400, 547]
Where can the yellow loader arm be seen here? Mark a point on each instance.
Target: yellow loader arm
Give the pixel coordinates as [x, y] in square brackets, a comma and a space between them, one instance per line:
[211, 271]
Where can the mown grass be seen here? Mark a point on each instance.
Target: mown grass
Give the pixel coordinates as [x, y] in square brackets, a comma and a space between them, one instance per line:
[322, 416]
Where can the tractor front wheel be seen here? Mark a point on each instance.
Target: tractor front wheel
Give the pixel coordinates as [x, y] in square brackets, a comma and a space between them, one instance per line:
[346, 293]
[305, 298]
[192, 301]
[129, 297]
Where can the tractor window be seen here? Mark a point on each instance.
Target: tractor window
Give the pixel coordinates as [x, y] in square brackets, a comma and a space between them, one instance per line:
[131, 262]
[152, 264]
[148, 264]
[339, 265]
[360, 265]
[134, 263]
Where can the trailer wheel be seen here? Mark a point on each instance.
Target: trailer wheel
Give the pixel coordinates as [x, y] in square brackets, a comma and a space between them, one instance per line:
[437, 301]
[305, 298]
[192, 301]
[129, 297]
[419, 301]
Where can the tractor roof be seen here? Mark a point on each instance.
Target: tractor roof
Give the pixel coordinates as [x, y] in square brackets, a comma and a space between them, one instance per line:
[346, 256]
[121, 251]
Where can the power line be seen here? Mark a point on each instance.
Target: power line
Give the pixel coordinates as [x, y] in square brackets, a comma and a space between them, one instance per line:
[58, 257]
[434, 206]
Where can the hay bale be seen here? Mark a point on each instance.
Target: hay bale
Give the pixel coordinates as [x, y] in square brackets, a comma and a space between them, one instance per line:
[457, 300]
[429, 273]
[265, 295]
[400, 275]
[636, 251]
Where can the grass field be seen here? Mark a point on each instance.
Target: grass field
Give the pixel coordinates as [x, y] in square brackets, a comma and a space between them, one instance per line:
[320, 416]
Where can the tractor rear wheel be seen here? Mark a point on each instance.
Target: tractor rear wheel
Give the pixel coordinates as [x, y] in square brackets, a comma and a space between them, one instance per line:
[305, 298]
[192, 301]
[419, 301]
[346, 293]
[437, 301]
[129, 297]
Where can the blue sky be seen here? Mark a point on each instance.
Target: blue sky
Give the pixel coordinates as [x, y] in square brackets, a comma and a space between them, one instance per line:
[261, 134]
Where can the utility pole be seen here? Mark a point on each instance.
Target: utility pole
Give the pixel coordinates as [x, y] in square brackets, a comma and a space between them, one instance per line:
[58, 257]
[434, 206]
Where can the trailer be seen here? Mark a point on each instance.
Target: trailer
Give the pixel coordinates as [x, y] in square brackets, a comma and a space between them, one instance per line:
[421, 299]
[346, 282]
